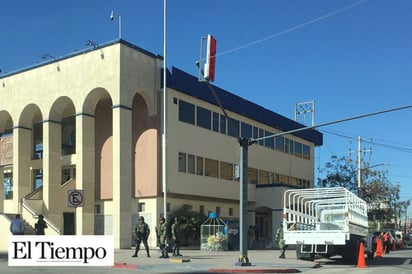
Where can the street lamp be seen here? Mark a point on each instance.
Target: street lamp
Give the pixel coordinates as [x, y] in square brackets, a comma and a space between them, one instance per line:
[112, 14]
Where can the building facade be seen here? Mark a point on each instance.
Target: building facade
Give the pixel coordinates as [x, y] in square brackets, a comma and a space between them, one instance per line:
[81, 143]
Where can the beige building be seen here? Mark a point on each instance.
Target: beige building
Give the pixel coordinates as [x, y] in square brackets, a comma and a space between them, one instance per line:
[81, 143]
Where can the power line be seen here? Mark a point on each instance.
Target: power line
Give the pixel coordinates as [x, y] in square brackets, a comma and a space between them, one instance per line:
[293, 28]
[390, 146]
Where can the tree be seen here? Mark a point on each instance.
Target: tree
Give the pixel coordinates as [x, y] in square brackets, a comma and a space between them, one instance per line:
[381, 196]
[339, 173]
[190, 222]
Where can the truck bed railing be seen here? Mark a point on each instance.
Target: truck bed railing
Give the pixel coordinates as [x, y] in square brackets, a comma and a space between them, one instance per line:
[323, 209]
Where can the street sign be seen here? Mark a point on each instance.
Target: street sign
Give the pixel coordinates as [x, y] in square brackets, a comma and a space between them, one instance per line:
[75, 198]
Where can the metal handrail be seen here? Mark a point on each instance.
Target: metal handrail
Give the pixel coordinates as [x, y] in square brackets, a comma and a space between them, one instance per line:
[34, 214]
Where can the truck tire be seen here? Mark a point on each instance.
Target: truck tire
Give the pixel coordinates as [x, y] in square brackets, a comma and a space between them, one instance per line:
[350, 255]
[304, 256]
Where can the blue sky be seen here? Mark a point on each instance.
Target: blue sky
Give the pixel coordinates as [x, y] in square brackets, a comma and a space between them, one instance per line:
[351, 57]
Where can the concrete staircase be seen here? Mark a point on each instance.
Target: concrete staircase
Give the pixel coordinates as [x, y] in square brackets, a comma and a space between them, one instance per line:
[28, 229]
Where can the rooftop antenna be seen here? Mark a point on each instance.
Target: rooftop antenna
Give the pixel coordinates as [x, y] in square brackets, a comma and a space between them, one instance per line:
[301, 109]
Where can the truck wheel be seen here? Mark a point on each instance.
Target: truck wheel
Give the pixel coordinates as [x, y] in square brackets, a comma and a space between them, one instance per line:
[350, 255]
[304, 256]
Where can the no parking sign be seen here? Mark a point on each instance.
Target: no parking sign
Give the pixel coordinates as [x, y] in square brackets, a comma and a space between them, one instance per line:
[75, 198]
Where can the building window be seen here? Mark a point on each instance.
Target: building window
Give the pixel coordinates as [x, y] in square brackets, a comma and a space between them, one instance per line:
[261, 135]
[168, 207]
[222, 124]
[271, 178]
[68, 174]
[8, 185]
[298, 149]
[218, 211]
[203, 118]
[191, 164]
[280, 143]
[233, 128]
[293, 181]
[246, 130]
[37, 141]
[202, 209]
[306, 152]
[255, 132]
[230, 211]
[290, 146]
[283, 179]
[226, 171]
[186, 112]
[182, 162]
[252, 175]
[187, 207]
[141, 207]
[215, 122]
[269, 142]
[263, 177]
[199, 165]
[37, 178]
[97, 209]
[68, 129]
[211, 168]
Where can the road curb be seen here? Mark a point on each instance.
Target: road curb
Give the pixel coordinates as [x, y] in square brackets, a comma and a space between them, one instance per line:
[125, 266]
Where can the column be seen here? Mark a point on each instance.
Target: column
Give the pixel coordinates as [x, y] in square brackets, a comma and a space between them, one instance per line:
[85, 173]
[1, 189]
[122, 176]
[52, 171]
[22, 182]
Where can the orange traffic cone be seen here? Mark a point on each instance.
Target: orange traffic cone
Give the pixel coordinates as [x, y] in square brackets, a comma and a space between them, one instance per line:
[379, 251]
[361, 256]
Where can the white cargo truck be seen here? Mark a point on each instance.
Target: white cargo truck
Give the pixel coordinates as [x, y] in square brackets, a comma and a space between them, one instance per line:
[326, 222]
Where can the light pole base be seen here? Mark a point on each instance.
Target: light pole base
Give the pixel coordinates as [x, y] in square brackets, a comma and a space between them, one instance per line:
[243, 261]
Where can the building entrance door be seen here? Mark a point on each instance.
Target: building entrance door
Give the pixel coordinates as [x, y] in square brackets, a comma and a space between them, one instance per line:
[68, 223]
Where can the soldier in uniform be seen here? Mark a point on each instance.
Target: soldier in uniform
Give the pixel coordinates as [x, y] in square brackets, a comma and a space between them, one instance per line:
[142, 234]
[175, 236]
[279, 240]
[162, 234]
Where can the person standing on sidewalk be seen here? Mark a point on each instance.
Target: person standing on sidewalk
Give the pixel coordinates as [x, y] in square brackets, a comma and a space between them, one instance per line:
[280, 241]
[40, 226]
[142, 234]
[176, 237]
[162, 234]
[17, 226]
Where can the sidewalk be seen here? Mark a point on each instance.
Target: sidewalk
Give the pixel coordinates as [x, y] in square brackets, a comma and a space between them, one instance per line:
[196, 261]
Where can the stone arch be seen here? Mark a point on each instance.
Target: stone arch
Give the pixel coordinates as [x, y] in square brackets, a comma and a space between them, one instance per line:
[30, 114]
[31, 118]
[63, 112]
[149, 99]
[145, 138]
[93, 98]
[6, 122]
[98, 103]
[62, 107]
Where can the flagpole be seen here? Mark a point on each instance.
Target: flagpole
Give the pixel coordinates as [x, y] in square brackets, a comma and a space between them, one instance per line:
[164, 123]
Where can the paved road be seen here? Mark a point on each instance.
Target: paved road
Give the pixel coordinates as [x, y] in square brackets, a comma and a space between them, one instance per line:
[193, 261]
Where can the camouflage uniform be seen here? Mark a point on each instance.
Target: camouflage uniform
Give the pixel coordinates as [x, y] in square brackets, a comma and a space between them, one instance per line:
[281, 242]
[162, 234]
[142, 234]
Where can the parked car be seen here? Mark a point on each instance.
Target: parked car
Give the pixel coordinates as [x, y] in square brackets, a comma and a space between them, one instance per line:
[407, 239]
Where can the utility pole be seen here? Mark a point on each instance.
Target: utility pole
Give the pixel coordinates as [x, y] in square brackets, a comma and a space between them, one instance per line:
[360, 150]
